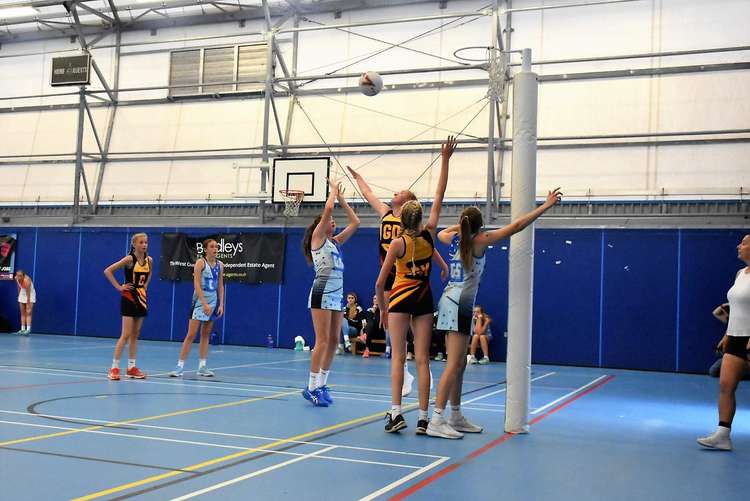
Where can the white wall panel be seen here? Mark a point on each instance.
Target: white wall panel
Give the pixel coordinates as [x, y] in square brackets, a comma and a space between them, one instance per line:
[684, 102]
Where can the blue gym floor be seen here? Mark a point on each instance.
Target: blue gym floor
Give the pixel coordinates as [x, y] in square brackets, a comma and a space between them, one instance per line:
[66, 432]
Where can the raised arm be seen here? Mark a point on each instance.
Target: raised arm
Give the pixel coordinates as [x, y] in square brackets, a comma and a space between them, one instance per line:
[446, 235]
[482, 240]
[319, 234]
[376, 204]
[446, 151]
[109, 272]
[347, 232]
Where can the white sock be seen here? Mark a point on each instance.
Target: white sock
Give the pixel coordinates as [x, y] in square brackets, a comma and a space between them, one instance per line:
[28, 327]
[437, 414]
[422, 414]
[201, 363]
[131, 363]
[395, 410]
[723, 431]
[312, 382]
[323, 377]
[23, 327]
[456, 411]
[115, 363]
[180, 364]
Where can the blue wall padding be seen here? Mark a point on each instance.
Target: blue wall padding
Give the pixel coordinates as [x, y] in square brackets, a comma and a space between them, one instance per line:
[636, 299]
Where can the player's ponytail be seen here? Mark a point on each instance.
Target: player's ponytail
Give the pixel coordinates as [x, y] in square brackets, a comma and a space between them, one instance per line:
[471, 222]
[307, 239]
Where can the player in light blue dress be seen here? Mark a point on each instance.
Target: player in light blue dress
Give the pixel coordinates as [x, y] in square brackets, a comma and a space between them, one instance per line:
[455, 311]
[326, 301]
[207, 306]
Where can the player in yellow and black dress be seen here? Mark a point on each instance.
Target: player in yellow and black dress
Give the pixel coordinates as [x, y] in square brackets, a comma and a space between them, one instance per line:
[137, 267]
[410, 299]
[390, 229]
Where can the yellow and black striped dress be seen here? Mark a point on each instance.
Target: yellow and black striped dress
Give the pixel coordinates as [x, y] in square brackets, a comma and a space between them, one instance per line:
[390, 228]
[133, 302]
[411, 292]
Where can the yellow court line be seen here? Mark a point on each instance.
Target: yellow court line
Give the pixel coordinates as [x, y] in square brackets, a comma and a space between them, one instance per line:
[234, 455]
[143, 419]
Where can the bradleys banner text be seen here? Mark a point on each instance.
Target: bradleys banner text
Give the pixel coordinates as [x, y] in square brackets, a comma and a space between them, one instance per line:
[248, 257]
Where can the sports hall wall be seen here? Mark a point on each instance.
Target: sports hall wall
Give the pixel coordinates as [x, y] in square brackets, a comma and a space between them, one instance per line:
[636, 299]
[147, 122]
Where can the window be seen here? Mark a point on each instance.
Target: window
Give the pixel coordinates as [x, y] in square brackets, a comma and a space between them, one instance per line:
[207, 71]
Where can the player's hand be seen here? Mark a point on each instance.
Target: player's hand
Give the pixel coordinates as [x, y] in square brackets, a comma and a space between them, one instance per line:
[444, 274]
[722, 344]
[220, 311]
[553, 197]
[448, 147]
[340, 189]
[125, 288]
[354, 173]
[384, 319]
[207, 309]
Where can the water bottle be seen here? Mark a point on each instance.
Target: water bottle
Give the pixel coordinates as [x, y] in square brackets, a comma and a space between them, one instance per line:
[269, 341]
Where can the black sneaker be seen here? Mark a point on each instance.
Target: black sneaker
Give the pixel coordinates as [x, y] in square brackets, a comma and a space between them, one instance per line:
[395, 425]
[422, 427]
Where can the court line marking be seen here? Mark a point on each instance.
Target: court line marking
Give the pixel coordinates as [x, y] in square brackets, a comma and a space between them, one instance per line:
[232, 435]
[403, 480]
[147, 418]
[229, 457]
[209, 444]
[250, 475]
[246, 387]
[492, 444]
[252, 388]
[47, 350]
[242, 366]
[577, 390]
[156, 478]
[480, 397]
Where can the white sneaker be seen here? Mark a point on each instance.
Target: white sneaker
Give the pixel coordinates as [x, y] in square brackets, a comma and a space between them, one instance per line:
[717, 440]
[408, 382]
[462, 424]
[471, 359]
[438, 427]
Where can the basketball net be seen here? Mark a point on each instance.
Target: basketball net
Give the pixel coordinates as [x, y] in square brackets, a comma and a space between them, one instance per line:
[292, 201]
[496, 75]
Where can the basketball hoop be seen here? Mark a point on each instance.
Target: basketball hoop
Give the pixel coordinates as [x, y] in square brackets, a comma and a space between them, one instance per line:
[292, 201]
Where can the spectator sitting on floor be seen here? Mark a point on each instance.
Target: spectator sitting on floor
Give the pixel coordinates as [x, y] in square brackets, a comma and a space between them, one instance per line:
[372, 331]
[351, 327]
[482, 335]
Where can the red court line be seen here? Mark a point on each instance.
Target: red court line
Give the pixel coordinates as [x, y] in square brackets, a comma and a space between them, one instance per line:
[21, 386]
[507, 436]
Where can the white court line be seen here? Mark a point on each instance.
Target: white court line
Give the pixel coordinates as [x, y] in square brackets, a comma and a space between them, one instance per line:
[547, 406]
[251, 475]
[256, 364]
[504, 389]
[218, 446]
[404, 479]
[183, 383]
[69, 348]
[216, 433]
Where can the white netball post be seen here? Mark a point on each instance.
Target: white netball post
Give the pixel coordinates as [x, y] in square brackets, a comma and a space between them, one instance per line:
[521, 261]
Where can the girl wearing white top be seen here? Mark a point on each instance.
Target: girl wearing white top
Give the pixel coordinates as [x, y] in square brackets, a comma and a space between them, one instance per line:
[26, 300]
[736, 346]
